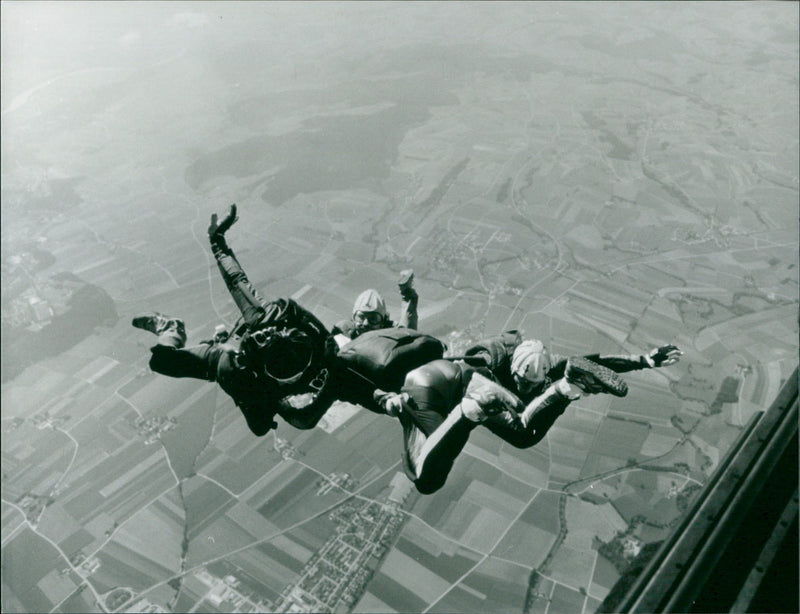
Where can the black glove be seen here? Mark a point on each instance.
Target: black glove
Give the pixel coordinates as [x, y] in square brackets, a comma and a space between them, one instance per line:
[663, 356]
[218, 230]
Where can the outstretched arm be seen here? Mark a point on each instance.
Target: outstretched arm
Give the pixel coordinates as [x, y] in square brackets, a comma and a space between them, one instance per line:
[658, 357]
[244, 294]
[409, 318]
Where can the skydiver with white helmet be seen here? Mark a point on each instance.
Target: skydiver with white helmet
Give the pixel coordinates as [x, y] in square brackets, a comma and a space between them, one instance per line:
[515, 388]
[541, 380]
[370, 312]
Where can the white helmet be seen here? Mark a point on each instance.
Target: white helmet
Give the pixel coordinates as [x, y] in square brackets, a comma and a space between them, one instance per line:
[531, 361]
[369, 312]
[370, 301]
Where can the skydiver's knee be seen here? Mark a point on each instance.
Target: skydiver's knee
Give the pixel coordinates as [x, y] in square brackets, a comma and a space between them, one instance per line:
[525, 442]
[259, 430]
[431, 478]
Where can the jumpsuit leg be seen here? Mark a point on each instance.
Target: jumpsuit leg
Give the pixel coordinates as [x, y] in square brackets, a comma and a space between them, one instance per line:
[433, 457]
[244, 294]
[193, 362]
[254, 309]
[435, 429]
[171, 358]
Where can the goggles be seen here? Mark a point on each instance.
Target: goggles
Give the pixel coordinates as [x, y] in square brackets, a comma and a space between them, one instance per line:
[373, 318]
[535, 371]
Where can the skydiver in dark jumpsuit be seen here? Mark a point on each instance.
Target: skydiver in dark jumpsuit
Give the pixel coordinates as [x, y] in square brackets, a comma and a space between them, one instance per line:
[281, 360]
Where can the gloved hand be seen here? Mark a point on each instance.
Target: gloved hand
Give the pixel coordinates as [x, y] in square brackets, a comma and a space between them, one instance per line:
[219, 230]
[663, 356]
[392, 403]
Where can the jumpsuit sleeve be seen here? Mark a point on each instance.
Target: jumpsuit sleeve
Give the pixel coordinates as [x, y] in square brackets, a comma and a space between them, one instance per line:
[479, 356]
[256, 402]
[558, 366]
[617, 363]
[620, 363]
[409, 318]
[343, 327]
[260, 413]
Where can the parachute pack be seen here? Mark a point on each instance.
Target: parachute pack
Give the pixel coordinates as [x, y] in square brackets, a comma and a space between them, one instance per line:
[289, 344]
[286, 314]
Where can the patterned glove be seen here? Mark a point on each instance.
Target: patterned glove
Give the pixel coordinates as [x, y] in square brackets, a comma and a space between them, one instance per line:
[663, 356]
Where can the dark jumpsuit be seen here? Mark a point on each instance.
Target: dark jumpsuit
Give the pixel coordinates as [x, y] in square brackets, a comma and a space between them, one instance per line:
[255, 396]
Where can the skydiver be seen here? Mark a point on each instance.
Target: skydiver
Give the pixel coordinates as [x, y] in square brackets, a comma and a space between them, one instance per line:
[370, 313]
[281, 360]
[442, 401]
[283, 348]
[536, 376]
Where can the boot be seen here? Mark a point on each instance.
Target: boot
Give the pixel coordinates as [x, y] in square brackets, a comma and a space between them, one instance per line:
[592, 378]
